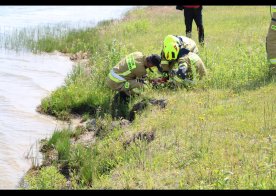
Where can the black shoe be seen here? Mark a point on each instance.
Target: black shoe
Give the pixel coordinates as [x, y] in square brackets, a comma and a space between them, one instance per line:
[202, 43]
[119, 107]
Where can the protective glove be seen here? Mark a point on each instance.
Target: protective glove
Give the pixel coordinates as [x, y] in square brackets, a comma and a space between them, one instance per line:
[141, 80]
[182, 72]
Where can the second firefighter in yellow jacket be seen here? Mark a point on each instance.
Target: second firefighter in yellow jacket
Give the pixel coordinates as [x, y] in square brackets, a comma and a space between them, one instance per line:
[271, 42]
[128, 75]
[181, 61]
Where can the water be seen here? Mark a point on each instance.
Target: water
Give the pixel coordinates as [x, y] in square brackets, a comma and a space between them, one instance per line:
[31, 16]
[26, 78]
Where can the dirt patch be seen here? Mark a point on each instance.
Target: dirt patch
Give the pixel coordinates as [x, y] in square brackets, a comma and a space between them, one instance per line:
[137, 108]
[140, 136]
[85, 139]
[78, 58]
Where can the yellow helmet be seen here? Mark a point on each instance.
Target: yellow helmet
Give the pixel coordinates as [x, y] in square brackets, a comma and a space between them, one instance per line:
[171, 47]
[170, 39]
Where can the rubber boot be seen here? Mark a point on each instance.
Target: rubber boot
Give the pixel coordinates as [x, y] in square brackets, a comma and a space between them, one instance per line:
[119, 107]
[201, 35]
[189, 34]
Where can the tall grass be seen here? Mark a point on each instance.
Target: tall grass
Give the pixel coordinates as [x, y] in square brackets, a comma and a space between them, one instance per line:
[221, 136]
[240, 65]
[85, 90]
[27, 38]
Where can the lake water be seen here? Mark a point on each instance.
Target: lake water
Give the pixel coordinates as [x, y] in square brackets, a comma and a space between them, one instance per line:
[26, 78]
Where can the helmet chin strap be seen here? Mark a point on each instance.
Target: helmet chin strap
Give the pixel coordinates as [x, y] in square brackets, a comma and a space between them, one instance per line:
[150, 70]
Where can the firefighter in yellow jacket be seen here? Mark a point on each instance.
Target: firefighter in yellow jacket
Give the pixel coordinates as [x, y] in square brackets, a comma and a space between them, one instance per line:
[183, 42]
[128, 75]
[271, 42]
[180, 62]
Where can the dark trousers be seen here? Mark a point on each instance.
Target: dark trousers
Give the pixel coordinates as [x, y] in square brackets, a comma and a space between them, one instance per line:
[195, 14]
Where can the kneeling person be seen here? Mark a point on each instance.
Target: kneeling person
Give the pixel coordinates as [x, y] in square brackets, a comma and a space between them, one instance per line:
[127, 76]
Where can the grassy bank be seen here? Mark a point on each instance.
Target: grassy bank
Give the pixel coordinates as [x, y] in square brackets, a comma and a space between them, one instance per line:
[220, 135]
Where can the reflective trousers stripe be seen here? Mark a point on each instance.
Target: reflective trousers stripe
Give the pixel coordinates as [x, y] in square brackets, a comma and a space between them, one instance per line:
[272, 61]
[164, 62]
[125, 73]
[115, 77]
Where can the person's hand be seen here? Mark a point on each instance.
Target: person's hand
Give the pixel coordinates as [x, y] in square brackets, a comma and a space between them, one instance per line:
[141, 80]
[172, 73]
[182, 72]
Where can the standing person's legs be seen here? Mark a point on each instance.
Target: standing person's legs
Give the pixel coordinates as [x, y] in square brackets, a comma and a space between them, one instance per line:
[271, 45]
[199, 24]
[188, 17]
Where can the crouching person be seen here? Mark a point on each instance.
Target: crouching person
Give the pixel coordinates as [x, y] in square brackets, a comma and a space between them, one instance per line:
[190, 69]
[127, 77]
[179, 63]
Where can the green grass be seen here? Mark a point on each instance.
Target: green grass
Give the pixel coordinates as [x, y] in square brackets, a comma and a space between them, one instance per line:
[48, 178]
[238, 66]
[218, 135]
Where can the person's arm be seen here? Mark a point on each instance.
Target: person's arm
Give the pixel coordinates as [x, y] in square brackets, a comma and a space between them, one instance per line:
[181, 72]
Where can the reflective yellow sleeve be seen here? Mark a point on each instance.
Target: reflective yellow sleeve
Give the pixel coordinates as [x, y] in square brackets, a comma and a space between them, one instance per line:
[272, 61]
[273, 8]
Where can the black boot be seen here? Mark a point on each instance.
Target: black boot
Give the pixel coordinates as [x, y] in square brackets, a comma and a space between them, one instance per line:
[201, 35]
[189, 34]
[119, 107]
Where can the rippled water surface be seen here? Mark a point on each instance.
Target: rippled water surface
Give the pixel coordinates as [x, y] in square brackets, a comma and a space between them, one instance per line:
[26, 78]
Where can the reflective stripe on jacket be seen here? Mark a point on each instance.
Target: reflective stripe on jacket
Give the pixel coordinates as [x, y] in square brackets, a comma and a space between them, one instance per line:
[273, 8]
[272, 61]
[129, 68]
[115, 77]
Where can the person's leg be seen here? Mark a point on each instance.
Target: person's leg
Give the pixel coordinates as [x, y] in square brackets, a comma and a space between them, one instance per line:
[201, 69]
[120, 106]
[188, 17]
[135, 87]
[199, 24]
[271, 45]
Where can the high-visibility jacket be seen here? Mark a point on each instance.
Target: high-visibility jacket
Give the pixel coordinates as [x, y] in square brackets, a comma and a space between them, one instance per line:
[193, 63]
[123, 76]
[129, 68]
[271, 39]
[273, 8]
